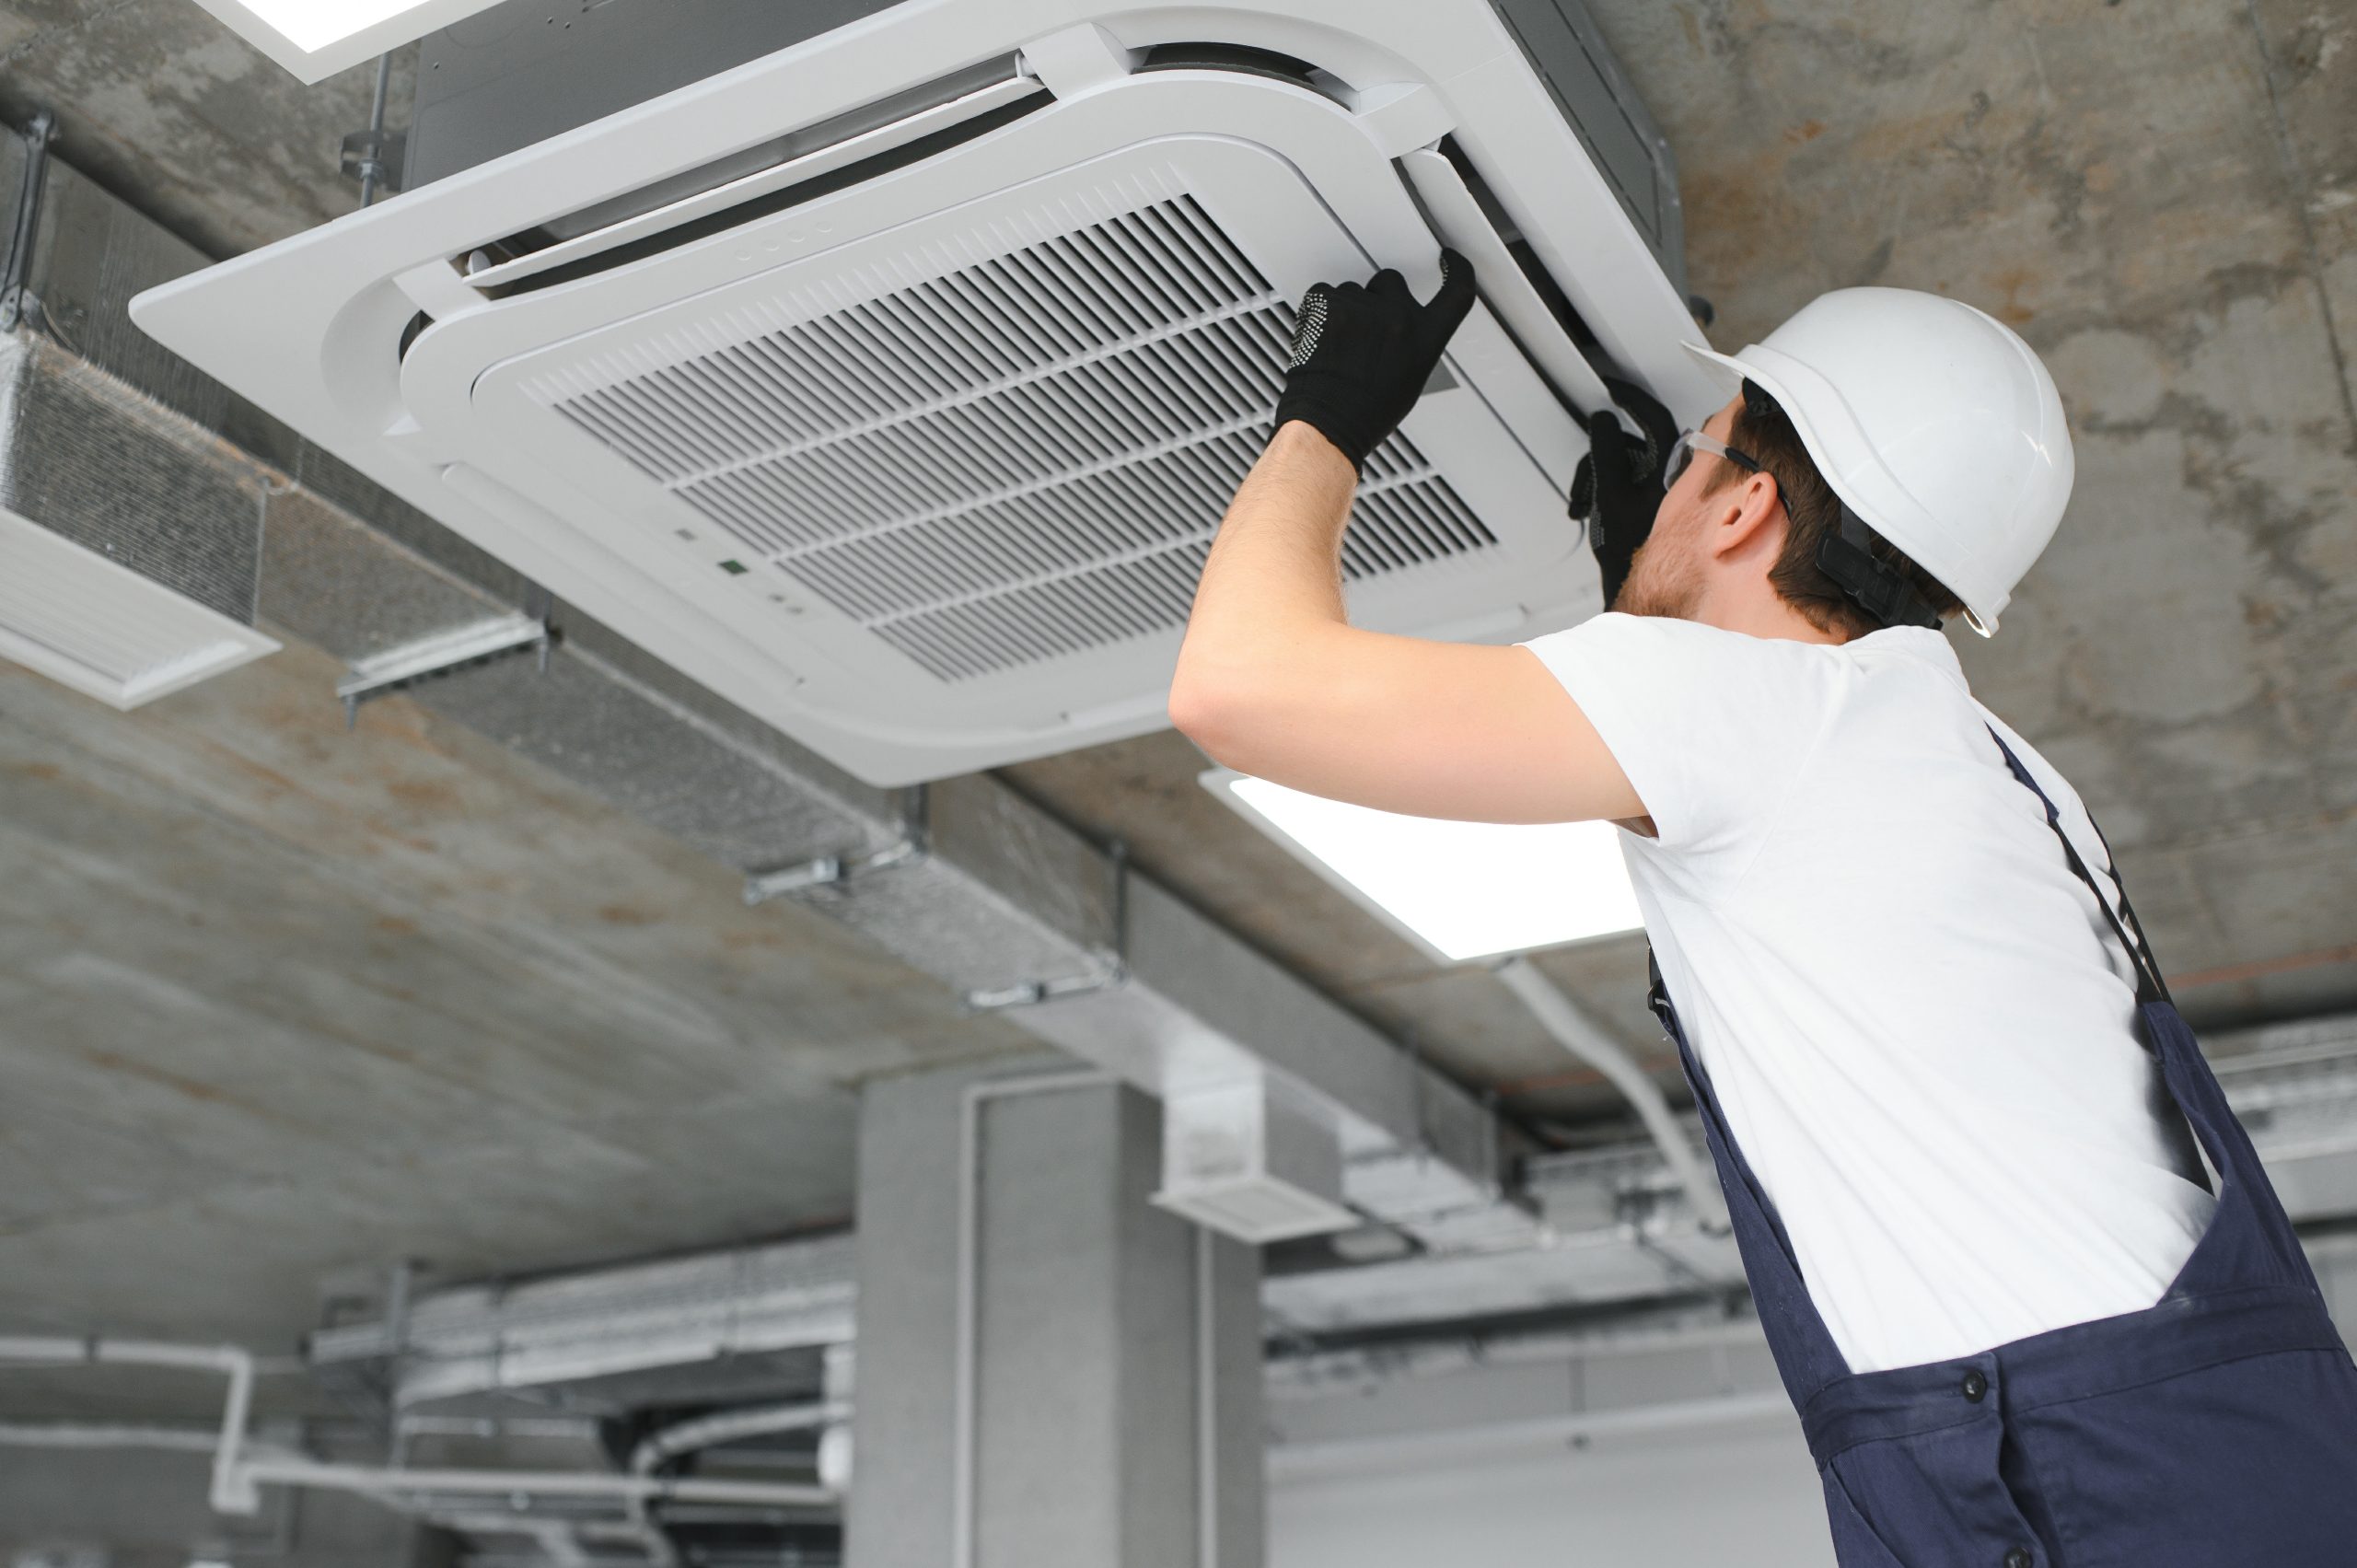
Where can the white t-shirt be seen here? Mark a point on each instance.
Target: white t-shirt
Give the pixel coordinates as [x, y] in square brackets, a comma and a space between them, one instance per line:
[1918, 1024]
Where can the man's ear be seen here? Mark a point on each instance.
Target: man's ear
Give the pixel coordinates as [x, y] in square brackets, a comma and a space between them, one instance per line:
[1750, 524]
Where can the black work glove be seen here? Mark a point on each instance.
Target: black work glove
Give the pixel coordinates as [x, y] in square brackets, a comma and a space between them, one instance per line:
[1361, 353]
[1617, 488]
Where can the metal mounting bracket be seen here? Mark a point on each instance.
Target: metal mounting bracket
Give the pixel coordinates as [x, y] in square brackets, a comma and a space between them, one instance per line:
[833, 870]
[442, 654]
[1113, 961]
[37, 135]
[1031, 993]
[375, 159]
[830, 870]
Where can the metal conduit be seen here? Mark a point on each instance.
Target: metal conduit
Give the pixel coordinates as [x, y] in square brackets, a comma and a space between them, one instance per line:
[1592, 1043]
[710, 1431]
[232, 1491]
[238, 1470]
[394, 1480]
[730, 1426]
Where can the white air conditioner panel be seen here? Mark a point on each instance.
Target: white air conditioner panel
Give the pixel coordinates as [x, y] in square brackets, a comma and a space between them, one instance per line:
[961, 474]
[950, 462]
[918, 465]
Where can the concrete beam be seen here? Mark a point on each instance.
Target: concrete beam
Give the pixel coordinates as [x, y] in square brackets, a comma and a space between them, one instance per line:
[1052, 1372]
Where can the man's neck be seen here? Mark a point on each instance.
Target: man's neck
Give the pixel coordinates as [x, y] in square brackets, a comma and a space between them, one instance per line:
[1767, 614]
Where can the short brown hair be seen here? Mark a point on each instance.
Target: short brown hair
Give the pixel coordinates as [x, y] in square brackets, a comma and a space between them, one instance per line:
[1763, 432]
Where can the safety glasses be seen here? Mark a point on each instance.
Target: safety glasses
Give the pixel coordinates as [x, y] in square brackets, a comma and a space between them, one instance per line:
[1682, 450]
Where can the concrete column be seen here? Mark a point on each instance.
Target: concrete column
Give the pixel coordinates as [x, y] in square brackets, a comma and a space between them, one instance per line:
[1111, 1383]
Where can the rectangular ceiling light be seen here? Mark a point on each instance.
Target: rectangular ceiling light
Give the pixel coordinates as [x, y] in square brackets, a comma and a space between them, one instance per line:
[315, 38]
[1458, 890]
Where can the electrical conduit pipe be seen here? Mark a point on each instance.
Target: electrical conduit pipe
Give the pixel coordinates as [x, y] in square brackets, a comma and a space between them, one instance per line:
[238, 1471]
[1588, 1041]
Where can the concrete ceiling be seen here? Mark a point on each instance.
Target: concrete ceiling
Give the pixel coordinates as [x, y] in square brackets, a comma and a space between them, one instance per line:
[285, 1002]
[180, 117]
[306, 999]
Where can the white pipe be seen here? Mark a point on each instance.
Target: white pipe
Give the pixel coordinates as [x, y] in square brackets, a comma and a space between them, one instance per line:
[1206, 1407]
[77, 1435]
[237, 1469]
[231, 1491]
[970, 1203]
[1588, 1041]
[65, 1351]
[380, 1479]
[1351, 1453]
[728, 1426]
[706, 1433]
[46, 1352]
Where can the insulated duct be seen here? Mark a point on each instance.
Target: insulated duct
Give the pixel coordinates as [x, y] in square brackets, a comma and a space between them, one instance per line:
[130, 544]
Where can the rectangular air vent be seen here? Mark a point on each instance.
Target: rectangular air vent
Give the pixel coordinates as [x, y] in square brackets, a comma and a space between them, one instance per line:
[104, 628]
[1021, 458]
[1242, 1158]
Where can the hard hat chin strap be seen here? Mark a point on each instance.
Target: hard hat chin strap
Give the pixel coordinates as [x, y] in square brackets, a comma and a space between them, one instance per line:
[1872, 584]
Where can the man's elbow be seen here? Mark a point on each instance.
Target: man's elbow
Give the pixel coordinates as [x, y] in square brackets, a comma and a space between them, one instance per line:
[1214, 711]
[1197, 709]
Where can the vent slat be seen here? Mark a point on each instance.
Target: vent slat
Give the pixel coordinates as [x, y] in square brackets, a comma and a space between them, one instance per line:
[1019, 459]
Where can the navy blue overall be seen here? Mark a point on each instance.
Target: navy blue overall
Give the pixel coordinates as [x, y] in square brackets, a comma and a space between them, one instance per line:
[2216, 1429]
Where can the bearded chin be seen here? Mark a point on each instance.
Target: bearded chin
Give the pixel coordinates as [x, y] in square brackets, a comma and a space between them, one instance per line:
[1660, 582]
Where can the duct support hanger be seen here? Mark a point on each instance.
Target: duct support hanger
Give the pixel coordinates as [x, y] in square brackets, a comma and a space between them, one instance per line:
[912, 848]
[445, 653]
[1581, 1035]
[1113, 961]
[17, 302]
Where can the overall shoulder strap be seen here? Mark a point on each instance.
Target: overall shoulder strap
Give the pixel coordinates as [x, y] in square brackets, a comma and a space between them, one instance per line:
[2124, 924]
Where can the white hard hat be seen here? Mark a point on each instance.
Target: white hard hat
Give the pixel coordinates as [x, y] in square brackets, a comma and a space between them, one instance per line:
[1934, 422]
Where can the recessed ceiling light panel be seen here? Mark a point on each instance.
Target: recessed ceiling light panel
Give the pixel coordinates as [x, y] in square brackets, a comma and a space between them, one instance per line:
[315, 38]
[1458, 890]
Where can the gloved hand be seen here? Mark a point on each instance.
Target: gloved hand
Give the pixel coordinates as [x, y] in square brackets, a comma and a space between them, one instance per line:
[1361, 353]
[1617, 488]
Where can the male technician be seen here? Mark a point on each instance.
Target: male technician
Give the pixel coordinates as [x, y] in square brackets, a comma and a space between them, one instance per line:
[1953, 1113]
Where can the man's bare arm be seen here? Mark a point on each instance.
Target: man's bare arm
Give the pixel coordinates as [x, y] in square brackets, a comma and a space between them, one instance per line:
[1274, 681]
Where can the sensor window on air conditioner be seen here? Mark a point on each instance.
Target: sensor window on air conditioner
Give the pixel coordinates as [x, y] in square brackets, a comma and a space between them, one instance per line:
[1020, 458]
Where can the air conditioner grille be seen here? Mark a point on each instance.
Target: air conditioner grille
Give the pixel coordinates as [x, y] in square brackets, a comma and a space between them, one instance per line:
[1017, 460]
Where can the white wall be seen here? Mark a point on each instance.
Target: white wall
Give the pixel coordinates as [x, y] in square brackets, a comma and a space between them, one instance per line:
[1742, 1496]
[1390, 1470]
[1642, 1451]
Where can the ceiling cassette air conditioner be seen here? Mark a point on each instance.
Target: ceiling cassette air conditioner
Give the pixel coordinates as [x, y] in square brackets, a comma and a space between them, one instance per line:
[892, 383]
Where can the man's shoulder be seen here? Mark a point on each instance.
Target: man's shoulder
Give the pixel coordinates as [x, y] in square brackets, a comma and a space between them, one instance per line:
[1614, 627]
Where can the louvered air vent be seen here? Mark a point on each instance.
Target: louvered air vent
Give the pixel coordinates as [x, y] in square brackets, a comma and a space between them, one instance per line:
[1022, 459]
[1237, 1158]
[103, 628]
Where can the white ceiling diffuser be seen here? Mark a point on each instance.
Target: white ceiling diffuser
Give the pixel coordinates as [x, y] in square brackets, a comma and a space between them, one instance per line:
[103, 628]
[910, 440]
